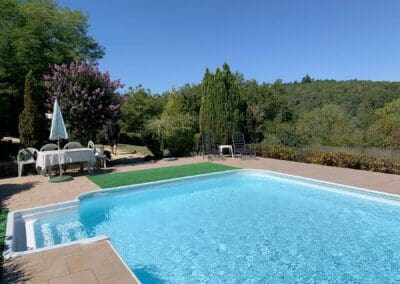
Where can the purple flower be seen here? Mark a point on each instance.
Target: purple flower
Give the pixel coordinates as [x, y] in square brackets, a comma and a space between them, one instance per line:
[84, 92]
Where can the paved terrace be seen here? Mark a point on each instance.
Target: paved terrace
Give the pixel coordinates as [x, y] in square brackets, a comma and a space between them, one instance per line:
[87, 263]
[33, 190]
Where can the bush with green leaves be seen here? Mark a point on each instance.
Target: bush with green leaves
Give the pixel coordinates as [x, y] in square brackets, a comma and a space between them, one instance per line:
[281, 133]
[175, 133]
[334, 159]
[139, 106]
[130, 138]
[386, 129]
[327, 125]
[152, 139]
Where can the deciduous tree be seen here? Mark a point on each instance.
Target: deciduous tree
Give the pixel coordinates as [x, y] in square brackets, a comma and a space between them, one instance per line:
[87, 97]
[34, 35]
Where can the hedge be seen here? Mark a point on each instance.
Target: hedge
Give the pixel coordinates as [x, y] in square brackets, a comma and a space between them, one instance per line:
[334, 159]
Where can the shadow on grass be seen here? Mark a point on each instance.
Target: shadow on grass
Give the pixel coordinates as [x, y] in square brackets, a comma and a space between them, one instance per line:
[127, 160]
[102, 171]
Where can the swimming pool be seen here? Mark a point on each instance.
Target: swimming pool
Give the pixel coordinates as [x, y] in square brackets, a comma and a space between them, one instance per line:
[239, 226]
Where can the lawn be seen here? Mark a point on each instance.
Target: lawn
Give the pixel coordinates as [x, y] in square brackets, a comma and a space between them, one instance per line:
[148, 175]
[143, 150]
[3, 223]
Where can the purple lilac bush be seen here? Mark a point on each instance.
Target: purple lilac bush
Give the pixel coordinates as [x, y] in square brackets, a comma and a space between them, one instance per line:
[87, 97]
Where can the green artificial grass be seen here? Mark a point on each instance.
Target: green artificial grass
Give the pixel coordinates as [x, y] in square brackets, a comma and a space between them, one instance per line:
[148, 175]
[3, 223]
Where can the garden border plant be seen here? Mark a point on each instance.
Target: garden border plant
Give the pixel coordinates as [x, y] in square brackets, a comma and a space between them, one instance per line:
[334, 159]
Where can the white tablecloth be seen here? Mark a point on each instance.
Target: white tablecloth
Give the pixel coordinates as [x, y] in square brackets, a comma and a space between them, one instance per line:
[50, 158]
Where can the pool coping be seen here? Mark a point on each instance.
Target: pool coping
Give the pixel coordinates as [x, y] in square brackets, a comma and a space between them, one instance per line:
[30, 213]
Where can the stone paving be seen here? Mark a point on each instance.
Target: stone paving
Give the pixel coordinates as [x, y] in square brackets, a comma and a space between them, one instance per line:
[86, 263]
[96, 263]
[33, 190]
[370, 180]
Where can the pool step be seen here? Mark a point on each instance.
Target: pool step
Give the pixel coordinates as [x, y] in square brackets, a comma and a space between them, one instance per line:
[54, 234]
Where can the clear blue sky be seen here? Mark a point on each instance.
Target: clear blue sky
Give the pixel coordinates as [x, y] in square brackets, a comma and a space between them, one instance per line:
[161, 44]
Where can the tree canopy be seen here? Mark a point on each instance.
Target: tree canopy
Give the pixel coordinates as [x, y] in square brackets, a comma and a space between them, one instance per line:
[140, 106]
[221, 111]
[87, 97]
[350, 113]
[34, 35]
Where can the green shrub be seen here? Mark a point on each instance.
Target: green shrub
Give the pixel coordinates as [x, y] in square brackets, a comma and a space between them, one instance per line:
[152, 141]
[278, 133]
[9, 151]
[130, 138]
[175, 133]
[276, 152]
[180, 137]
[334, 159]
[326, 159]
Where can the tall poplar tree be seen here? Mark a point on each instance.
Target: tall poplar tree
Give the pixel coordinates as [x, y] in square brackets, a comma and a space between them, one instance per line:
[220, 111]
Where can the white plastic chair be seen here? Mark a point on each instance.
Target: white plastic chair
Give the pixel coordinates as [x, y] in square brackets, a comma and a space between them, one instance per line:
[99, 156]
[73, 145]
[26, 156]
[49, 147]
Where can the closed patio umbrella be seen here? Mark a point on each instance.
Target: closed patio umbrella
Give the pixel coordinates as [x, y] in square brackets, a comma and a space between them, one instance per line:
[57, 132]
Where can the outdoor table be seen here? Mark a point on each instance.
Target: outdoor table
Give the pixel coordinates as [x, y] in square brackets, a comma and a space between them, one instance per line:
[222, 147]
[46, 159]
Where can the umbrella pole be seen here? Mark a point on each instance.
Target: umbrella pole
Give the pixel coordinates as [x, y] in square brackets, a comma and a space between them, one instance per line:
[60, 178]
[59, 156]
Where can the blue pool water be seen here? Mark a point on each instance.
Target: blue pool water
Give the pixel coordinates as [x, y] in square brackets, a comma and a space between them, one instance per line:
[239, 227]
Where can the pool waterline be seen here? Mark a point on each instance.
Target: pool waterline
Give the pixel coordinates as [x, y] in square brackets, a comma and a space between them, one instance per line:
[30, 219]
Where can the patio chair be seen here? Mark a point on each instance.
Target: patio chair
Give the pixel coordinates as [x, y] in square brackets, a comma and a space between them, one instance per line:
[73, 145]
[208, 145]
[99, 156]
[240, 147]
[49, 147]
[26, 156]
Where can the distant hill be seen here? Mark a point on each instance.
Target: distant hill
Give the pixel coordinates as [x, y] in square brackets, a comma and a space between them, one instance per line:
[354, 97]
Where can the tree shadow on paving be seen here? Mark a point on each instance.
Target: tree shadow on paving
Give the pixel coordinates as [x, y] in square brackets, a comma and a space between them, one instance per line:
[7, 190]
[14, 271]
